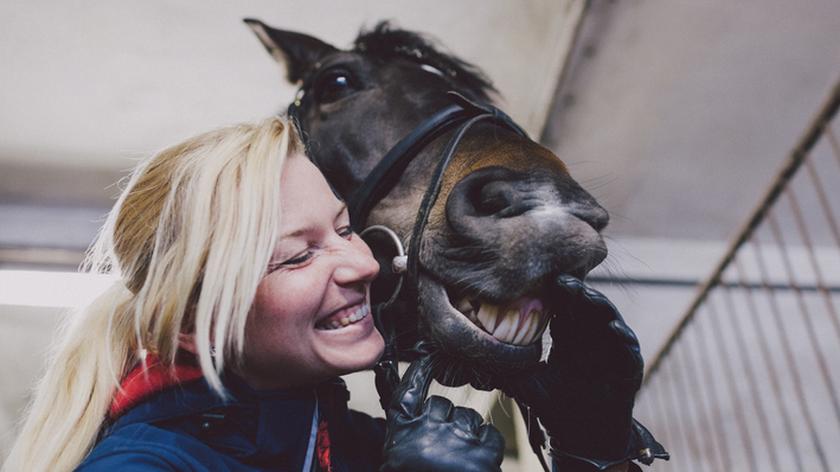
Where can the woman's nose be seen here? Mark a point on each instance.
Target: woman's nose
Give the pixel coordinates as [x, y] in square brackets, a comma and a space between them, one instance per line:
[357, 264]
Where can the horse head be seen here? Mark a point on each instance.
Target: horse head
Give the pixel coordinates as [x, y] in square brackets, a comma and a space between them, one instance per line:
[508, 217]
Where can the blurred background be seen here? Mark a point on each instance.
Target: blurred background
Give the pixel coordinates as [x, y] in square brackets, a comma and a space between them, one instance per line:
[679, 116]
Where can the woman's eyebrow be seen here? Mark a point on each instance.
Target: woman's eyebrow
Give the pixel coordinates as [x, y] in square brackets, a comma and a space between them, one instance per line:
[301, 231]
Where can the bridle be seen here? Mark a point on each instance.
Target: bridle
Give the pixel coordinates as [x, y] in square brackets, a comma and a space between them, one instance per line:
[458, 117]
[461, 115]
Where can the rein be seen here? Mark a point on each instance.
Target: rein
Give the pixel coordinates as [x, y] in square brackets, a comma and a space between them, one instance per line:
[459, 116]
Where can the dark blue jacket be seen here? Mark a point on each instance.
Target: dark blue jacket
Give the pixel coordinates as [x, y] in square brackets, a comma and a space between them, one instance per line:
[188, 427]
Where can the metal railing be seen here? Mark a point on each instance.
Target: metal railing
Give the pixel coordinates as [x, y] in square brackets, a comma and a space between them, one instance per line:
[750, 378]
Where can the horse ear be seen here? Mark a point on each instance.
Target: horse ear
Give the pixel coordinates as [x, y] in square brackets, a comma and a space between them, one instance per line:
[298, 51]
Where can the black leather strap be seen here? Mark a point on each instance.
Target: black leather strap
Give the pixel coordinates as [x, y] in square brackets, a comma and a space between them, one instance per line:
[387, 172]
[382, 179]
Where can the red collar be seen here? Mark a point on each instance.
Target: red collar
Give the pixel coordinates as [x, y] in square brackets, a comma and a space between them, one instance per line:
[148, 378]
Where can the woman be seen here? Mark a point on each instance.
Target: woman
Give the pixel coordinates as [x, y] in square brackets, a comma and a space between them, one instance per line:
[242, 296]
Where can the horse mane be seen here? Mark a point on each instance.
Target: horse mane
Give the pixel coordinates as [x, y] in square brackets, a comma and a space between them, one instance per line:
[387, 42]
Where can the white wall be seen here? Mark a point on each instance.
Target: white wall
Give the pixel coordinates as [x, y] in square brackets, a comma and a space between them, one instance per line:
[94, 84]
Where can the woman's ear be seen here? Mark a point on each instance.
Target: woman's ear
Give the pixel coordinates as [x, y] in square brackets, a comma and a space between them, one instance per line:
[186, 342]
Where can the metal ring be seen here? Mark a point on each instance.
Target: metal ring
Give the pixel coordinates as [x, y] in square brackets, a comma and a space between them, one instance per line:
[399, 263]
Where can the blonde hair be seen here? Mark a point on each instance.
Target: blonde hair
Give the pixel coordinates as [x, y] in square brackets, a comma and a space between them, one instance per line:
[190, 239]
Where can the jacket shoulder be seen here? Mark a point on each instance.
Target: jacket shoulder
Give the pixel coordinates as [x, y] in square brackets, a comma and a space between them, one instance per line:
[144, 447]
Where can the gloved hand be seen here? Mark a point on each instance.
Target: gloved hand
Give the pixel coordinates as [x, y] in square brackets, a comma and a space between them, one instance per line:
[433, 435]
[584, 394]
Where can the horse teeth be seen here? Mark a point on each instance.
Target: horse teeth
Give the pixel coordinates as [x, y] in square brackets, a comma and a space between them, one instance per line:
[502, 330]
[508, 325]
[464, 306]
[507, 328]
[523, 329]
[487, 316]
[541, 327]
[531, 334]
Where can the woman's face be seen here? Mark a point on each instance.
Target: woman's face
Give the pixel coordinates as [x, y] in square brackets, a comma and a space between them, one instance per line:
[311, 317]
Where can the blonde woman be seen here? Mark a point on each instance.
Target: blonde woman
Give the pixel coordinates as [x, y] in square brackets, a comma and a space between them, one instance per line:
[242, 295]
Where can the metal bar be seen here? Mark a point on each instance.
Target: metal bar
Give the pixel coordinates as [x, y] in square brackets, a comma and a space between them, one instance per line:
[34, 258]
[746, 365]
[714, 434]
[776, 386]
[683, 429]
[835, 144]
[805, 314]
[685, 393]
[690, 283]
[823, 198]
[812, 258]
[791, 362]
[664, 419]
[705, 353]
[795, 158]
[740, 420]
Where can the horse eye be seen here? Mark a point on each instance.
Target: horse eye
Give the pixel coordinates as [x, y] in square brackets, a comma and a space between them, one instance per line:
[334, 86]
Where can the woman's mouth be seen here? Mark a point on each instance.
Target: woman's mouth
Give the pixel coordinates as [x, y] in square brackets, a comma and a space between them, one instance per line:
[344, 318]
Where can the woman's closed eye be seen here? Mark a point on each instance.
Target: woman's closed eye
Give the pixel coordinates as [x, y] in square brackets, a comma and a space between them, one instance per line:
[292, 262]
[298, 259]
[345, 231]
[302, 257]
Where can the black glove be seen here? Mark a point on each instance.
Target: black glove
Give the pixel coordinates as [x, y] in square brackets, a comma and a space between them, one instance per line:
[433, 435]
[584, 394]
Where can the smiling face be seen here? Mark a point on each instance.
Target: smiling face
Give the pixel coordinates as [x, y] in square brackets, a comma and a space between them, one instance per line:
[311, 316]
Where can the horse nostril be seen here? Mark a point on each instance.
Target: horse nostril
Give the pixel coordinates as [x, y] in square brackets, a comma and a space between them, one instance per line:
[594, 216]
[492, 197]
[490, 192]
[601, 220]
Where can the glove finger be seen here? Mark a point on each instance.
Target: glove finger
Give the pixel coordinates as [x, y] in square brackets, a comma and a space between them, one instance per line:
[438, 409]
[467, 419]
[387, 378]
[605, 306]
[628, 356]
[580, 298]
[413, 388]
[624, 332]
[492, 439]
[585, 323]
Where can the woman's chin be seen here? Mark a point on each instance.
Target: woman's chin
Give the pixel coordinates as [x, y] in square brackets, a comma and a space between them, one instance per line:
[351, 348]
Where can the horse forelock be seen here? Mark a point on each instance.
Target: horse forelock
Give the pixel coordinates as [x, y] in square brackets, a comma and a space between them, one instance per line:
[386, 42]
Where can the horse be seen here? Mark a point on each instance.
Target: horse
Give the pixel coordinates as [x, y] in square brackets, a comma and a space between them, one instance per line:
[505, 220]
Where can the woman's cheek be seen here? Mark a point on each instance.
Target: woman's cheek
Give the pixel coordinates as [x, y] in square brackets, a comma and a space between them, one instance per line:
[295, 294]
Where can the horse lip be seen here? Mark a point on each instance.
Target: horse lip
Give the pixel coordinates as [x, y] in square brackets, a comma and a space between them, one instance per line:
[455, 332]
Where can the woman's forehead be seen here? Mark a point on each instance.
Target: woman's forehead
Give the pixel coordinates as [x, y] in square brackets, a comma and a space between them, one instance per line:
[306, 198]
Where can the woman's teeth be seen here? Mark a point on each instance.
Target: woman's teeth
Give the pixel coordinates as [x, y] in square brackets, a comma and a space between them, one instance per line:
[521, 322]
[337, 323]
